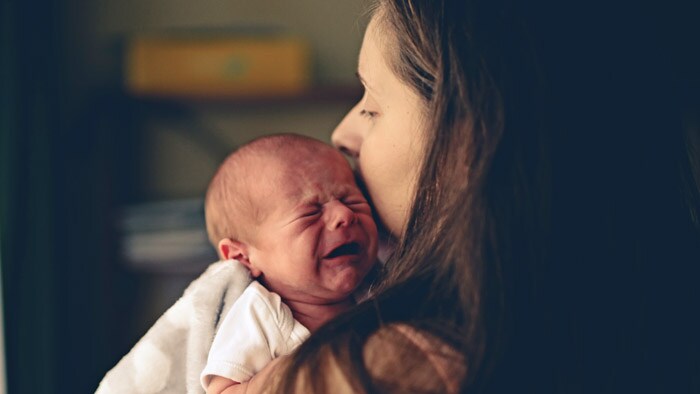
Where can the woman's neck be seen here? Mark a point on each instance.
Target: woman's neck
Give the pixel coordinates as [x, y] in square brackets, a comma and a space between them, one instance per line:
[313, 316]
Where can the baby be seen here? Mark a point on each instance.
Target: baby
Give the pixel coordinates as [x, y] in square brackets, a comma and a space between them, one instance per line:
[287, 207]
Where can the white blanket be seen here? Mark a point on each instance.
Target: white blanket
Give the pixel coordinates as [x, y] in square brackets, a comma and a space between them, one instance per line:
[172, 354]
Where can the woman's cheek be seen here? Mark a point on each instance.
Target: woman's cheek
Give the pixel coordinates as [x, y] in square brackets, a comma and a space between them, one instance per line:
[388, 209]
[376, 165]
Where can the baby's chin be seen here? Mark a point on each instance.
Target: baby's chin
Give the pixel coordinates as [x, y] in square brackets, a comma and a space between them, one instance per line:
[346, 280]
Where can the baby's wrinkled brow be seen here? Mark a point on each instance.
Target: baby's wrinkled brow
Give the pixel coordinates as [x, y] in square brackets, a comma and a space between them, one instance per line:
[337, 192]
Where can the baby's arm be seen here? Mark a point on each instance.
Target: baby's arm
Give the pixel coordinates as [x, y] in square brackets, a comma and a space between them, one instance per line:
[256, 330]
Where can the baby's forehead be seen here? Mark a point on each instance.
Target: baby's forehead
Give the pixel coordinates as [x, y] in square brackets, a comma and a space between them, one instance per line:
[299, 153]
[313, 188]
[316, 183]
[295, 176]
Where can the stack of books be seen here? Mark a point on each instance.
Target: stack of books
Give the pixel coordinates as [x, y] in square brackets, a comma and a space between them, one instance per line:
[166, 237]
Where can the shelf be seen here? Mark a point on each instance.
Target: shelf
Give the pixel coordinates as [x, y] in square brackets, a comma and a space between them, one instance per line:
[318, 95]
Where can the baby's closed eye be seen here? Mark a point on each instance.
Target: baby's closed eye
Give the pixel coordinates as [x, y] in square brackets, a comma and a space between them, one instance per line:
[311, 213]
[358, 205]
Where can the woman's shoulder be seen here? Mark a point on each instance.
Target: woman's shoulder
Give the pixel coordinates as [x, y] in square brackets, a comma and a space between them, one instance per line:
[403, 358]
[397, 358]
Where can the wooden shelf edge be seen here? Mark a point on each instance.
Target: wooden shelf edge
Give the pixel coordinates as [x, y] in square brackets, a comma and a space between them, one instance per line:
[315, 95]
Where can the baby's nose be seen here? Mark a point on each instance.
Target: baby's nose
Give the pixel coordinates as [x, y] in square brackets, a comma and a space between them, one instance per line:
[339, 215]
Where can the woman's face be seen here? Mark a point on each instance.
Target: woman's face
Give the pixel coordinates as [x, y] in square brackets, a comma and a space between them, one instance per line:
[383, 133]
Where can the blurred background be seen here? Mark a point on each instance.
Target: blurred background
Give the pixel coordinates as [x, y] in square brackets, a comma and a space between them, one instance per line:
[115, 114]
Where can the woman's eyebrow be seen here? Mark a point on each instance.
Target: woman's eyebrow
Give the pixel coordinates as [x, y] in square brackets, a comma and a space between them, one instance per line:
[362, 80]
[365, 84]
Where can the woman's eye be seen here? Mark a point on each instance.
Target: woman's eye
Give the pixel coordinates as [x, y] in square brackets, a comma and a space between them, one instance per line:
[368, 114]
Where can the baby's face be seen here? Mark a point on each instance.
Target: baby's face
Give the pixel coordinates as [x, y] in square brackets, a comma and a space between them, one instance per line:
[317, 240]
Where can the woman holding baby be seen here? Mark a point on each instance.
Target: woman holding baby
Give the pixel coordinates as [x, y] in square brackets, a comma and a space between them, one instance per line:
[545, 216]
[537, 173]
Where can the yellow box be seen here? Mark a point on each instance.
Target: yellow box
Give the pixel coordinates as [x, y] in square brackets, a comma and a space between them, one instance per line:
[215, 67]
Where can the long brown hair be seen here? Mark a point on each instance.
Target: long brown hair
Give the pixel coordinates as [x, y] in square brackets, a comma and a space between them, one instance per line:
[472, 212]
[502, 223]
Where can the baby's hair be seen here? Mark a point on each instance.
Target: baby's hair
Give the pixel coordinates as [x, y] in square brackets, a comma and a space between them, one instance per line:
[230, 208]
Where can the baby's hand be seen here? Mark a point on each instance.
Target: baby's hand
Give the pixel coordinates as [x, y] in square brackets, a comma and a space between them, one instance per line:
[256, 384]
[221, 385]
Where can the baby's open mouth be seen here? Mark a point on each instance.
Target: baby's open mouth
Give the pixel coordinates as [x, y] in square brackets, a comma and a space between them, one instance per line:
[351, 248]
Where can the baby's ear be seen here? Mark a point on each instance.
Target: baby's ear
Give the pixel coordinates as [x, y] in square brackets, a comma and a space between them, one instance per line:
[230, 249]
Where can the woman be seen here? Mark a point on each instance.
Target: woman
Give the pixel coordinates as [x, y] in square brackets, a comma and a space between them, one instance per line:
[545, 214]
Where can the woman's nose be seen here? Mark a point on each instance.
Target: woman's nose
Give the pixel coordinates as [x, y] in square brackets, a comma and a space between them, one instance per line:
[348, 135]
[339, 215]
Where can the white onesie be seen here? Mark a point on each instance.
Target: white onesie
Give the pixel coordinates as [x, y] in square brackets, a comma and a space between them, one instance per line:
[257, 329]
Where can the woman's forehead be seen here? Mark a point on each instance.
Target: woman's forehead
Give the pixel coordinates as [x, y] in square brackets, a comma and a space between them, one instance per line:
[372, 63]
[375, 70]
